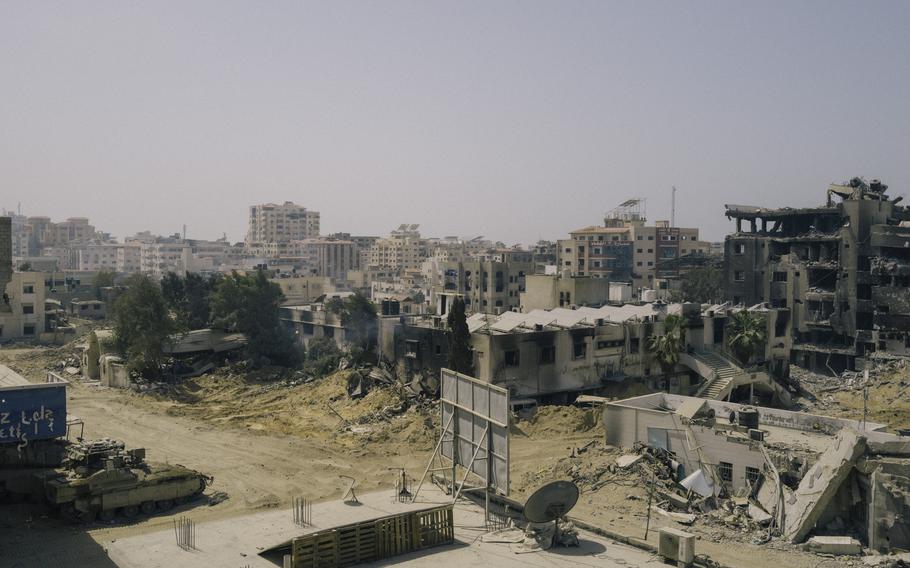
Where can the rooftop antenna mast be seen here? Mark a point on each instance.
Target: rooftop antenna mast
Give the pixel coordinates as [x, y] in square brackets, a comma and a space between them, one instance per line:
[673, 208]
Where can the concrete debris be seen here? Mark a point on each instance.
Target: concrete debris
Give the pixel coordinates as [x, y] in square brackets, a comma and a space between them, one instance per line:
[700, 483]
[890, 561]
[682, 518]
[627, 460]
[821, 483]
[758, 514]
[837, 545]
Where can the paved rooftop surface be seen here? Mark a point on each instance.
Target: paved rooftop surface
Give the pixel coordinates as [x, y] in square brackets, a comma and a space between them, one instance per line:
[236, 542]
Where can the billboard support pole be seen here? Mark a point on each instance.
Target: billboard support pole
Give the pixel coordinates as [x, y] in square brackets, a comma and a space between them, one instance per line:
[432, 458]
[489, 476]
[471, 464]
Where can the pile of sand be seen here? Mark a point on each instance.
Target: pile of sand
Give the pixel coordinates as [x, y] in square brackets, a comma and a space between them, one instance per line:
[320, 409]
[550, 421]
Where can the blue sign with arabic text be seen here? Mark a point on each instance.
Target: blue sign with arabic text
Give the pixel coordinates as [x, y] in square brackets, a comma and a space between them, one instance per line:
[35, 412]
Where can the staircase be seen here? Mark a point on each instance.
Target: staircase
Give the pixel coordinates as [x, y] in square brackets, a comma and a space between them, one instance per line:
[725, 371]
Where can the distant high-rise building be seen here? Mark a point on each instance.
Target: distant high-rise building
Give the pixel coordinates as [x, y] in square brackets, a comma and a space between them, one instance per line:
[625, 249]
[6, 252]
[270, 222]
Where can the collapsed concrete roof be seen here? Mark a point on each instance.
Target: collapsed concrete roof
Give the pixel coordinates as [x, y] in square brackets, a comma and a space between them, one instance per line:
[564, 318]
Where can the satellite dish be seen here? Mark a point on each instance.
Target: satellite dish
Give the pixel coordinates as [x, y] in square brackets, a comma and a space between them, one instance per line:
[551, 502]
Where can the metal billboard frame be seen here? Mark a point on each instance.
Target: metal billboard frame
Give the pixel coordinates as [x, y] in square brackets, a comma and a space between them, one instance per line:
[474, 435]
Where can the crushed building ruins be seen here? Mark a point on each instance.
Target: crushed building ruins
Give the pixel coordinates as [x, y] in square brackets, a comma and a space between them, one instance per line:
[841, 273]
[803, 473]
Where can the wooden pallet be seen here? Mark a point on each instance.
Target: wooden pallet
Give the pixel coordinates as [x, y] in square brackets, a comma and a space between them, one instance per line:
[375, 539]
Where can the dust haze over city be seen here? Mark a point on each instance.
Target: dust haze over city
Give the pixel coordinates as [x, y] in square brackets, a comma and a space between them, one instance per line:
[454, 283]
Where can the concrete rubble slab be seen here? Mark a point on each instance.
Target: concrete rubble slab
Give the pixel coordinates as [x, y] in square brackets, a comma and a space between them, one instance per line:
[837, 545]
[758, 514]
[627, 460]
[681, 518]
[821, 483]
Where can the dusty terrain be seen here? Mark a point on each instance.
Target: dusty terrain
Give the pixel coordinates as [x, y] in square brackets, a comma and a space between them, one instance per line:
[266, 442]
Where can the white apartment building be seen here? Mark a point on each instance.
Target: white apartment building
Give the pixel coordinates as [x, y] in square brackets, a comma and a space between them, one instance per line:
[403, 249]
[157, 259]
[271, 222]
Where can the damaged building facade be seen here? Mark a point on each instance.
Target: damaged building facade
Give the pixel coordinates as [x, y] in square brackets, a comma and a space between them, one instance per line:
[553, 355]
[841, 272]
[805, 474]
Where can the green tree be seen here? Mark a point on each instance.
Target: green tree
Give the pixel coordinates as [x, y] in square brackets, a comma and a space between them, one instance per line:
[667, 347]
[358, 316]
[747, 335]
[142, 325]
[701, 285]
[461, 357]
[250, 304]
[334, 305]
[104, 278]
[92, 354]
[322, 356]
[190, 297]
[25, 267]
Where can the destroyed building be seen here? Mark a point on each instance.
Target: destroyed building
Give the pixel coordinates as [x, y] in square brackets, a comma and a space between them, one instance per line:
[841, 272]
[553, 355]
[803, 473]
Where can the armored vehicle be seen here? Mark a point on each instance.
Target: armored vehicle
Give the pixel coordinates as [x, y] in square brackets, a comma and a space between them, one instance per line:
[102, 479]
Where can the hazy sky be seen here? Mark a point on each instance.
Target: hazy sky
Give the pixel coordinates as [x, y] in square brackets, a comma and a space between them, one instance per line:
[514, 120]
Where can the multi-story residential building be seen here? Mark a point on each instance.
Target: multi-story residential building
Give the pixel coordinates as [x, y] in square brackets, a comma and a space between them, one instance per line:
[6, 251]
[129, 258]
[362, 243]
[625, 248]
[548, 291]
[545, 255]
[271, 222]
[486, 286]
[38, 227]
[403, 249]
[73, 230]
[840, 272]
[329, 257]
[157, 259]
[20, 234]
[95, 257]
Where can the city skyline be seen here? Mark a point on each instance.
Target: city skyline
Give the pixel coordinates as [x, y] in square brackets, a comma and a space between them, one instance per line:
[516, 121]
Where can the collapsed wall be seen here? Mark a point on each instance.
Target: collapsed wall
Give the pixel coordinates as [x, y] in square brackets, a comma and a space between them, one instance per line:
[821, 484]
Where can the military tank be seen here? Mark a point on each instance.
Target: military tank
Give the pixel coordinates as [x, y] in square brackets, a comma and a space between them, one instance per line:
[101, 478]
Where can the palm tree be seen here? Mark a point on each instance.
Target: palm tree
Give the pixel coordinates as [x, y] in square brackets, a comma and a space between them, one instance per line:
[667, 347]
[747, 335]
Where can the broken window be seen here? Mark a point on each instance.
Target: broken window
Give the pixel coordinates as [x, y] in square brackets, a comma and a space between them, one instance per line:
[725, 469]
[547, 355]
[28, 289]
[28, 309]
[739, 276]
[739, 248]
[511, 358]
[780, 276]
[752, 475]
[579, 350]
